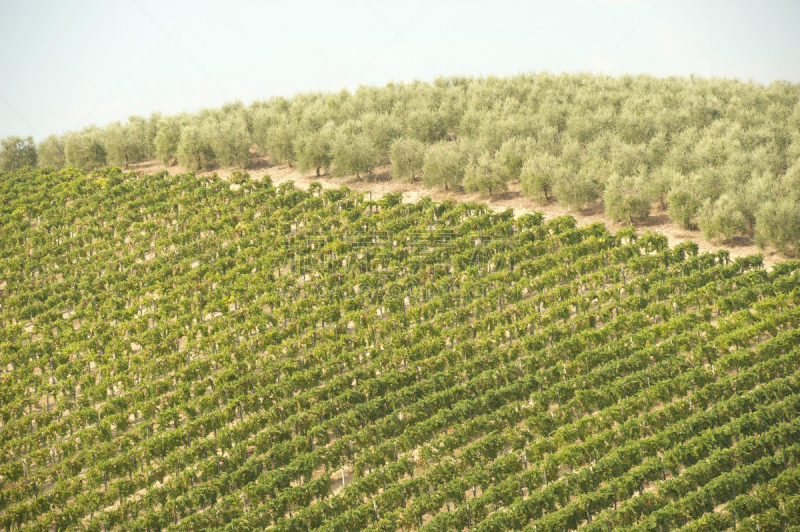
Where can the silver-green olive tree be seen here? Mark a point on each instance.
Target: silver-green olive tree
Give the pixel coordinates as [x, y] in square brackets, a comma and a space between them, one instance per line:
[778, 219]
[684, 201]
[85, 149]
[278, 143]
[229, 135]
[274, 131]
[382, 129]
[512, 156]
[353, 153]
[536, 176]
[51, 152]
[576, 189]
[721, 219]
[167, 139]
[778, 224]
[194, 149]
[312, 148]
[17, 152]
[407, 156]
[423, 122]
[126, 143]
[443, 166]
[660, 183]
[626, 158]
[626, 198]
[485, 175]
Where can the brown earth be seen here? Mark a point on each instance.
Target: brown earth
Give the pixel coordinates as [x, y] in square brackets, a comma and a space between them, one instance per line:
[382, 183]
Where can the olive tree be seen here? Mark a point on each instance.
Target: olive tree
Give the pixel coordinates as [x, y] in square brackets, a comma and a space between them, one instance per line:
[230, 139]
[575, 189]
[126, 143]
[144, 129]
[512, 156]
[484, 175]
[626, 197]
[51, 152]
[194, 149]
[684, 200]
[312, 148]
[660, 183]
[548, 139]
[151, 127]
[536, 176]
[382, 129]
[278, 143]
[778, 224]
[443, 166]
[407, 156]
[17, 152]
[85, 150]
[424, 123]
[273, 132]
[353, 153]
[778, 217]
[626, 158]
[167, 139]
[721, 218]
[116, 145]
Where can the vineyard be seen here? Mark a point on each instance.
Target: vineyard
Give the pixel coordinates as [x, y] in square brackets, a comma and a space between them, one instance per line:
[188, 353]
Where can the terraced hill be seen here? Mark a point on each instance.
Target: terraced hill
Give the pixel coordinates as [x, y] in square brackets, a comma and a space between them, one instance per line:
[184, 353]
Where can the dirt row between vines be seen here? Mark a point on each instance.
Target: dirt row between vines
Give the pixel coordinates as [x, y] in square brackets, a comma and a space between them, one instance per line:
[382, 183]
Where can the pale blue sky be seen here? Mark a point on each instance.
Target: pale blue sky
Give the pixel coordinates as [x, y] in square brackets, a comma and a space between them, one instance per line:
[65, 64]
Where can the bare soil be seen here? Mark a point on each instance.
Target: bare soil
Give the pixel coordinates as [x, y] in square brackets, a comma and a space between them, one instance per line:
[381, 182]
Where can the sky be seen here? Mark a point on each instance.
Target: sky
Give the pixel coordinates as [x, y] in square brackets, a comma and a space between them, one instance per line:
[65, 65]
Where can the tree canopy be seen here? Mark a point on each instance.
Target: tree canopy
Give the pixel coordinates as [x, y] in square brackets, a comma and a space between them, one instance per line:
[561, 137]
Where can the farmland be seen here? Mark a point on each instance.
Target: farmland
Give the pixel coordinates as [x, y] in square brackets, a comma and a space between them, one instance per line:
[181, 352]
[717, 157]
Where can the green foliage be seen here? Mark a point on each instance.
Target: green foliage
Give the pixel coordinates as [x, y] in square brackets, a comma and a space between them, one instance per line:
[660, 183]
[313, 149]
[194, 149]
[423, 123]
[167, 139]
[230, 139]
[684, 200]
[561, 136]
[443, 166]
[778, 223]
[180, 353]
[85, 150]
[721, 218]
[407, 156]
[277, 141]
[485, 175]
[382, 129]
[575, 189]
[512, 156]
[51, 153]
[353, 153]
[127, 143]
[627, 198]
[17, 152]
[536, 176]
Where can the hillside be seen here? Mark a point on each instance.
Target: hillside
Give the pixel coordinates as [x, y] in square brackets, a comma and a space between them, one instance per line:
[512, 198]
[182, 352]
[721, 156]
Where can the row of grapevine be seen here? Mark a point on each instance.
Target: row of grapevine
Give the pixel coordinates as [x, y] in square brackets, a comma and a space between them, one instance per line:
[180, 353]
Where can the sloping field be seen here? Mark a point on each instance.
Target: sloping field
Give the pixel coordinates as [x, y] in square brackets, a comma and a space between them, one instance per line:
[186, 353]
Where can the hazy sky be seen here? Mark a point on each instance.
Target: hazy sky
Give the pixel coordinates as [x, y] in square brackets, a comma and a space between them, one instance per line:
[65, 65]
